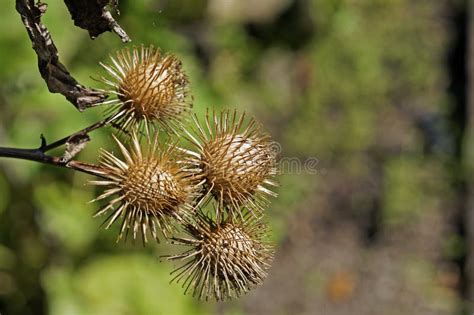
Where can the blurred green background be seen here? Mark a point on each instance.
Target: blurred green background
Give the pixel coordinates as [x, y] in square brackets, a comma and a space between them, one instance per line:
[366, 98]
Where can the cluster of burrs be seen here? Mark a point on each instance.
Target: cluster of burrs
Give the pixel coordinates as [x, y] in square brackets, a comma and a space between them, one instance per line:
[208, 193]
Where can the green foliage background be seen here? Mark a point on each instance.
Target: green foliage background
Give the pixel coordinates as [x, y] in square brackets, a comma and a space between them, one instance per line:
[340, 81]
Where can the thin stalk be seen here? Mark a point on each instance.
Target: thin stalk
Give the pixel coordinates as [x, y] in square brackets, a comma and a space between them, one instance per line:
[39, 155]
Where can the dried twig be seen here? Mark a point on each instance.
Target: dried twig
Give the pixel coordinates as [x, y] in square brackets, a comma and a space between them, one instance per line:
[55, 74]
[38, 155]
[74, 144]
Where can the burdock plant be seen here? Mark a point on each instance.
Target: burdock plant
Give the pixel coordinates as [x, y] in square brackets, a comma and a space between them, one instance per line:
[209, 197]
[236, 160]
[150, 87]
[226, 258]
[148, 187]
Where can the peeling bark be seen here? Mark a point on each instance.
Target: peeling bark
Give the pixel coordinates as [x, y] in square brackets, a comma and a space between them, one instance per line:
[93, 16]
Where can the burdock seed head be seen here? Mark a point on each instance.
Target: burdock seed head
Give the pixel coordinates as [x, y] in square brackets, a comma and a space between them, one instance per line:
[147, 189]
[226, 259]
[236, 160]
[151, 88]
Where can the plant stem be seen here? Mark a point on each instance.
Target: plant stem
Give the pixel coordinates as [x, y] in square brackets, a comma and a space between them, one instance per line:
[85, 131]
[37, 155]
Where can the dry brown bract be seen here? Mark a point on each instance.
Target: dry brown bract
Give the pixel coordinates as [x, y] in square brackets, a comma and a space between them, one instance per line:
[236, 161]
[151, 88]
[149, 187]
[226, 260]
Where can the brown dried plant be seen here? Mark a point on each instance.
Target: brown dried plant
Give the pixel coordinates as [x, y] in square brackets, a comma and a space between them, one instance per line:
[148, 189]
[227, 258]
[236, 161]
[156, 187]
[151, 88]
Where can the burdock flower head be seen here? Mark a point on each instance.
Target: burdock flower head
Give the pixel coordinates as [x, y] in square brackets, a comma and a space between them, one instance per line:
[226, 259]
[147, 189]
[236, 160]
[151, 88]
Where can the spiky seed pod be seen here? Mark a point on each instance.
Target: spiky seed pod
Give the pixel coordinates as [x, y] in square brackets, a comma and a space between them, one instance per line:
[148, 189]
[236, 160]
[151, 88]
[226, 259]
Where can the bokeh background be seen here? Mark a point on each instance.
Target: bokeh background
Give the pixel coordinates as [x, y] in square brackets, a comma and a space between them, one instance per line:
[369, 101]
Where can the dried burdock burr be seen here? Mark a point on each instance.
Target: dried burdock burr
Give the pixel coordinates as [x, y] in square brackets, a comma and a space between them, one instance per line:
[227, 258]
[236, 159]
[151, 88]
[149, 189]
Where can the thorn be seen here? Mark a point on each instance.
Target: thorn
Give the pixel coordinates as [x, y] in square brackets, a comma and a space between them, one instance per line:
[43, 142]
